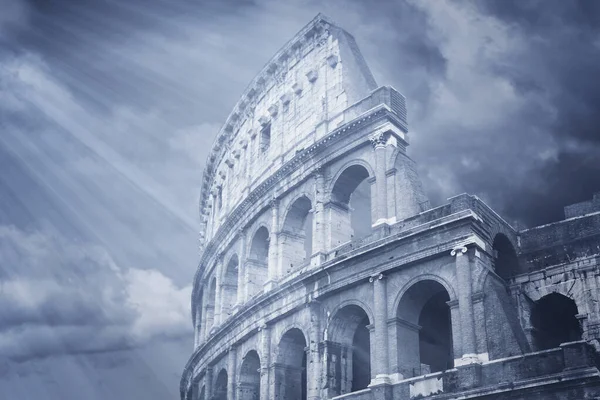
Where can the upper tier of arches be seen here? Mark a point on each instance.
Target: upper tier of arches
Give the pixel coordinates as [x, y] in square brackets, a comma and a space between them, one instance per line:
[301, 93]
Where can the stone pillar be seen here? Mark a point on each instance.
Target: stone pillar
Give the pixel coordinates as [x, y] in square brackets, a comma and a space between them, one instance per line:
[273, 247]
[198, 324]
[379, 356]
[265, 362]
[231, 374]
[218, 302]
[204, 322]
[379, 144]
[241, 283]
[313, 360]
[319, 227]
[208, 377]
[465, 304]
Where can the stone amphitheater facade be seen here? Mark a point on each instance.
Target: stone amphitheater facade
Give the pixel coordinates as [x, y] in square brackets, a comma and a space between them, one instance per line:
[325, 272]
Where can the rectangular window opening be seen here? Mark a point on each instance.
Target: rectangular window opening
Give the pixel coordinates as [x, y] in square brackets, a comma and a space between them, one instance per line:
[265, 138]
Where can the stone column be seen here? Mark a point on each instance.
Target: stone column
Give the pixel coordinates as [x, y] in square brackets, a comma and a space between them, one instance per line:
[380, 357]
[198, 324]
[319, 227]
[273, 266]
[204, 322]
[208, 377]
[465, 304]
[218, 302]
[313, 360]
[379, 144]
[231, 375]
[265, 361]
[241, 283]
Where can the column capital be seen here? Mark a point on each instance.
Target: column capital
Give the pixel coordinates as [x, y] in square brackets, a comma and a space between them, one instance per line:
[458, 251]
[241, 232]
[274, 202]
[376, 277]
[379, 140]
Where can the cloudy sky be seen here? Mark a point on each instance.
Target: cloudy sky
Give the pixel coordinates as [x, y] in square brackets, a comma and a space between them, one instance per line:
[108, 109]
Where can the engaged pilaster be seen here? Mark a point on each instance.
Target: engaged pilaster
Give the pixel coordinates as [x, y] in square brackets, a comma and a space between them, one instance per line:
[231, 367]
[274, 273]
[380, 345]
[379, 144]
[241, 282]
[314, 366]
[465, 304]
[319, 221]
[265, 361]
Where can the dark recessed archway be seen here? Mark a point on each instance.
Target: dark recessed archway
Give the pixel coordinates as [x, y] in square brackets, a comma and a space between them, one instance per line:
[220, 391]
[290, 373]
[424, 329]
[296, 235]
[554, 321]
[351, 199]
[349, 351]
[249, 385]
[506, 263]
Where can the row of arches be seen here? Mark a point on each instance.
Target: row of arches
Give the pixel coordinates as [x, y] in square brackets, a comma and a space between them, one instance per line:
[424, 343]
[350, 207]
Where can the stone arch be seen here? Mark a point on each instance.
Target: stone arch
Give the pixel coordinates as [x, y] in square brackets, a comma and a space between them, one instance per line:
[290, 366]
[422, 277]
[348, 349]
[249, 377]
[296, 234]
[350, 207]
[257, 263]
[424, 328]
[220, 385]
[506, 262]
[554, 321]
[229, 285]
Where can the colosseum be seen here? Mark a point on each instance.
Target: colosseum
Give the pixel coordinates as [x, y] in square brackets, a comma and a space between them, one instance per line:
[325, 273]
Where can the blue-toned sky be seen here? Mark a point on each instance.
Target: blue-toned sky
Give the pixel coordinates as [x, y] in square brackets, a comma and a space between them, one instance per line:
[108, 109]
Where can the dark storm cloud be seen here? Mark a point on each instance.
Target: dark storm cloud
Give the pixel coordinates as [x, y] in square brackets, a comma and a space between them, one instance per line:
[508, 106]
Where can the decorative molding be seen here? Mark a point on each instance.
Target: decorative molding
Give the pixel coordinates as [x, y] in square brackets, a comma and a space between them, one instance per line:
[379, 140]
[377, 277]
[458, 251]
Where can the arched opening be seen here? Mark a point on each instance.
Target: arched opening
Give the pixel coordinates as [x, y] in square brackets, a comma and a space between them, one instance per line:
[424, 330]
[210, 304]
[229, 287]
[296, 235]
[290, 372]
[348, 351]
[221, 386]
[350, 209]
[554, 321]
[249, 385]
[506, 263]
[258, 261]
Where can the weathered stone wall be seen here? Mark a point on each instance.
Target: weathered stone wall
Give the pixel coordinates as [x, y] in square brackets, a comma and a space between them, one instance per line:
[421, 305]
